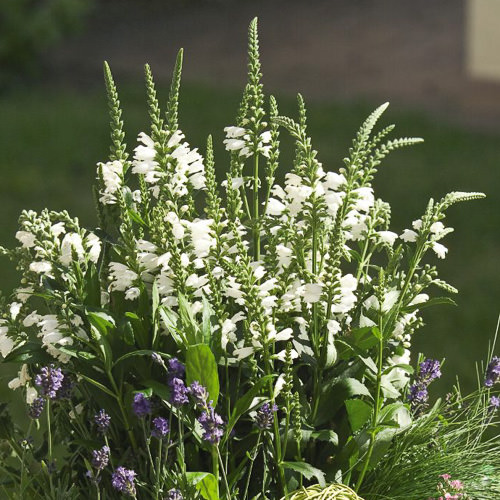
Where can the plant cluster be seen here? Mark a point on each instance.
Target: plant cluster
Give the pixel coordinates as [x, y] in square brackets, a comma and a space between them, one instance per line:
[233, 341]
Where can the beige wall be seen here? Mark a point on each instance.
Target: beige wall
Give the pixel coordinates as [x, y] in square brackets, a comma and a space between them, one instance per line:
[483, 39]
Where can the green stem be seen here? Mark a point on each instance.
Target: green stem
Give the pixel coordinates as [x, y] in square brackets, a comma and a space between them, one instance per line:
[158, 469]
[256, 227]
[215, 466]
[118, 397]
[23, 468]
[224, 477]
[375, 414]
[252, 460]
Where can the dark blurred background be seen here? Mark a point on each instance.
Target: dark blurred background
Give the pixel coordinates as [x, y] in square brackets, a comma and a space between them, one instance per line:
[437, 62]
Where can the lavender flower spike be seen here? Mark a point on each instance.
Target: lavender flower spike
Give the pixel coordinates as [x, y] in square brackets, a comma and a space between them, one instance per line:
[36, 408]
[212, 425]
[199, 394]
[265, 416]
[160, 427]
[141, 405]
[178, 392]
[100, 458]
[492, 372]
[102, 420]
[49, 380]
[123, 480]
[174, 494]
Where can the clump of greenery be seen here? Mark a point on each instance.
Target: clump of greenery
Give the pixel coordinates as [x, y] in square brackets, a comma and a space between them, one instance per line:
[220, 341]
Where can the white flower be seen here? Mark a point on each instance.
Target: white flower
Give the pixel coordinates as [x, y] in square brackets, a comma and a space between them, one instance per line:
[333, 181]
[284, 335]
[243, 352]
[31, 395]
[282, 355]
[121, 276]
[58, 229]
[364, 321]
[26, 238]
[32, 319]
[6, 343]
[93, 244]
[390, 298]
[178, 229]
[437, 227]
[284, 255]
[387, 237]
[24, 293]
[440, 250]
[333, 326]
[201, 237]
[132, 293]
[21, 379]
[419, 299]
[233, 132]
[274, 207]
[417, 224]
[112, 175]
[312, 292]
[41, 267]
[408, 235]
[372, 303]
[71, 244]
[14, 309]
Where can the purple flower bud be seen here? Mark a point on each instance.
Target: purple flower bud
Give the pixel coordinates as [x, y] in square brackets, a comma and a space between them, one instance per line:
[66, 388]
[492, 372]
[199, 394]
[123, 480]
[494, 403]
[178, 392]
[102, 420]
[175, 369]
[100, 458]
[160, 427]
[36, 408]
[265, 416]
[141, 405]
[212, 425]
[418, 395]
[174, 494]
[430, 369]
[49, 380]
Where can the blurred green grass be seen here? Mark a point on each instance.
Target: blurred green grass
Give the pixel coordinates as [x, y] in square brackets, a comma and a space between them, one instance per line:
[51, 138]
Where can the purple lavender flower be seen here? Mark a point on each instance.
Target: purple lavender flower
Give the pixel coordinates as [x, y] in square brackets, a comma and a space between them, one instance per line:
[100, 458]
[123, 480]
[430, 369]
[66, 388]
[49, 380]
[418, 395]
[160, 427]
[174, 494]
[265, 416]
[212, 425]
[102, 420]
[141, 405]
[36, 408]
[178, 392]
[492, 372]
[175, 369]
[494, 403]
[199, 394]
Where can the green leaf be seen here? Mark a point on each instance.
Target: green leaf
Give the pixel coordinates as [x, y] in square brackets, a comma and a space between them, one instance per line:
[188, 321]
[101, 321]
[407, 368]
[358, 413]
[205, 483]
[243, 404]
[137, 218]
[435, 301]
[92, 287]
[158, 388]
[97, 384]
[206, 327]
[335, 393]
[202, 367]
[77, 353]
[30, 352]
[307, 470]
[141, 352]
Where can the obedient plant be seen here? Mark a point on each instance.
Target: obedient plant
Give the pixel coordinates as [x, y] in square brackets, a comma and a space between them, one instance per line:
[236, 340]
